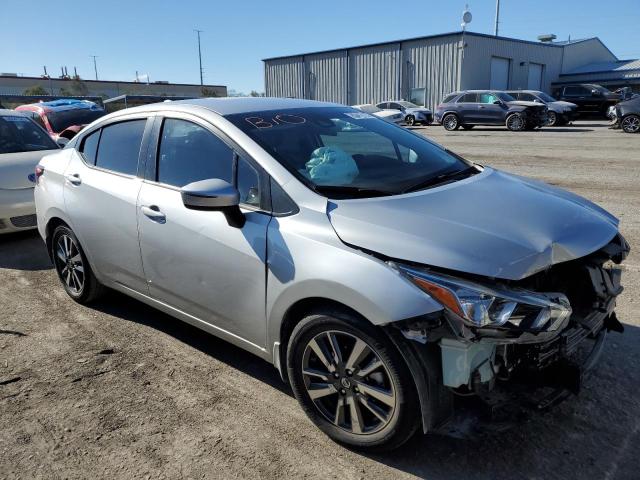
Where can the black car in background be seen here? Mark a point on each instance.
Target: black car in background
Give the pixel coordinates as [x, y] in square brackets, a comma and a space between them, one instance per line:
[489, 107]
[628, 115]
[559, 113]
[591, 99]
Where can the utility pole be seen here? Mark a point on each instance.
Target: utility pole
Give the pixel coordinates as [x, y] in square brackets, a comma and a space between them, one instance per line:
[95, 65]
[495, 32]
[199, 55]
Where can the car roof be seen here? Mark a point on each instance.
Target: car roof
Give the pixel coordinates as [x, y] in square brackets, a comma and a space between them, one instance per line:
[61, 105]
[232, 105]
[5, 112]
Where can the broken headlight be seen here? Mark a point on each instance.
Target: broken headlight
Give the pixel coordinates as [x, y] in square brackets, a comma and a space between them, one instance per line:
[492, 306]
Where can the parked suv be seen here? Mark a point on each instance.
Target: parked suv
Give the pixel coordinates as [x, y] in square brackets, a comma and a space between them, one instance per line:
[489, 107]
[413, 114]
[559, 113]
[62, 119]
[591, 99]
[383, 275]
[627, 115]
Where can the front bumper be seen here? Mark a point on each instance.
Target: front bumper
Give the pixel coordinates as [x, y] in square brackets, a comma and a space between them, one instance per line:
[17, 210]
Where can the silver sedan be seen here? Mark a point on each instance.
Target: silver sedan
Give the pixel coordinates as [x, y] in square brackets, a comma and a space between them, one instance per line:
[383, 275]
[22, 144]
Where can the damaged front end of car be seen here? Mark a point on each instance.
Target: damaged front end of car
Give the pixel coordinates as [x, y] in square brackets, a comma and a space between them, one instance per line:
[528, 342]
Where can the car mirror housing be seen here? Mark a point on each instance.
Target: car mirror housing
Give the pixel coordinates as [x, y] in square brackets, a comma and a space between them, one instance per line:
[62, 142]
[214, 194]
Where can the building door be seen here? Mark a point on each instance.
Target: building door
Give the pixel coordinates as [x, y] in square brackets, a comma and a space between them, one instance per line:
[534, 81]
[499, 73]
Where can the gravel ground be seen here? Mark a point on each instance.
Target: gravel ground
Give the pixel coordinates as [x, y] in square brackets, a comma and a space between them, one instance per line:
[123, 391]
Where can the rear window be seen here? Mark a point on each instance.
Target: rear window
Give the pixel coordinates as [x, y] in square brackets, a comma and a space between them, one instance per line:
[64, 119]
[119, 146]
[21, 134]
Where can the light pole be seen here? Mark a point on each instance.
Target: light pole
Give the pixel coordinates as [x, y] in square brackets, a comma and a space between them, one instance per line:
[95, 65]
[199, 55]
[495, 31]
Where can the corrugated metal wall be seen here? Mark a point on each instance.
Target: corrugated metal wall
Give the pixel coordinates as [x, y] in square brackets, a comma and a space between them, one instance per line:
[326, 75]
[374, 73]
[369, 74]
[433, 64]
[284, 77]
[476, 71]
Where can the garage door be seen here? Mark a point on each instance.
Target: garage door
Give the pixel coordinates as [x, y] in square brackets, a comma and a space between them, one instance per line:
[499, 73]
[535, 77]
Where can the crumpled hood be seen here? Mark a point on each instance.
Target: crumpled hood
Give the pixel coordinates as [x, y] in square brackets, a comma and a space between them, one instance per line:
[15, 168]
[492, 224]
[525, 103]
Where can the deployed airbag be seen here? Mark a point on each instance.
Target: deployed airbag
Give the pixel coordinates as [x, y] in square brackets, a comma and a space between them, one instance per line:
[331, 166]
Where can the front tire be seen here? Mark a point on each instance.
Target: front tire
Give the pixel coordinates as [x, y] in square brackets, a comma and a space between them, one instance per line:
[552, 119]
[410, 120]
[516, 122]
[450, 122]
[73, 268]
[352, 382]
[631, 124]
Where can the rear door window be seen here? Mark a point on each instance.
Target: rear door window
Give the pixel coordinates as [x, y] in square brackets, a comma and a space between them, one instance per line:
[190, 153]
[89, 147]
[468, 98]
[119, 146]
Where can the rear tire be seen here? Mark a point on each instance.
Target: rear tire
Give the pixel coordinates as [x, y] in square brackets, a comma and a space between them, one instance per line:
[450, 122]
[630, 124]
[365, 400]
[73, 268]
[516, 122]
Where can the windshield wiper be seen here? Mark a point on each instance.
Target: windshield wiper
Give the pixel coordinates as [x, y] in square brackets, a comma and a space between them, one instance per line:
[350, 190]
[442, 178]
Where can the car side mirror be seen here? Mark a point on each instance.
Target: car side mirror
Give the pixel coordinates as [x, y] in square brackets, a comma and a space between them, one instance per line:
[214, 194]
[62, 141]
[498, 102]
[595, 93]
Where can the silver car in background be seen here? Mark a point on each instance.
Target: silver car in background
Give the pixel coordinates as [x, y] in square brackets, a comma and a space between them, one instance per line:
[22, 144]
[383, 275]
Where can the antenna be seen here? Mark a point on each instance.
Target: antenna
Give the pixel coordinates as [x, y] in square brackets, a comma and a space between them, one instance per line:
[466, 18]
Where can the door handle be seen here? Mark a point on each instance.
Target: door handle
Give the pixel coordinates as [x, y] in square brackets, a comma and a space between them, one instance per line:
[480, 106]
[154, 213]
[73, 178]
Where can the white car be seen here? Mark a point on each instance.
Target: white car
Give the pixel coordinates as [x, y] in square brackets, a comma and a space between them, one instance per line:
[22, 144]
[392, 116]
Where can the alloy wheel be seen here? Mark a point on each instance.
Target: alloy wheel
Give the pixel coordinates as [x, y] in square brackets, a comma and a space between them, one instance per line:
[348, 382]
[631, 124]
[551, 119]
[410, 120]
[450, 122]
[515, 122]
[69, 263]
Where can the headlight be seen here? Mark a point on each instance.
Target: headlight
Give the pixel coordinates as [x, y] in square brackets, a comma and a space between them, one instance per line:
[488, 306]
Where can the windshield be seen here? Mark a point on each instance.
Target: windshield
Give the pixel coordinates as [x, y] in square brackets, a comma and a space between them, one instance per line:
[368, 108]
[546, 97]
[20, 134]
[505, 97]
[345, 153]
[64, 119]
[408, 105]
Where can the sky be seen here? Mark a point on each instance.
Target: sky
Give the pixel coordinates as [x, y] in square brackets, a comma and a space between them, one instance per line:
[157, 37]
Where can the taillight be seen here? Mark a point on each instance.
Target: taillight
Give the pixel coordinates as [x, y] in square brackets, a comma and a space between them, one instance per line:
[39, 171]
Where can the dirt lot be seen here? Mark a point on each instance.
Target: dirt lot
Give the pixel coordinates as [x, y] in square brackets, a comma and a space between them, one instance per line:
[123, 391]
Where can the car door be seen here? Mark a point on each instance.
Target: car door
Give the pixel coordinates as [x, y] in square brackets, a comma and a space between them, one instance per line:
[194, 260]
[490, 112]
[101, 192]
[579, 95]
[467, 108]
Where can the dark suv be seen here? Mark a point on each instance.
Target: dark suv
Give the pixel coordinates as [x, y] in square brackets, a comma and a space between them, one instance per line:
[489, 107]
[591, 99]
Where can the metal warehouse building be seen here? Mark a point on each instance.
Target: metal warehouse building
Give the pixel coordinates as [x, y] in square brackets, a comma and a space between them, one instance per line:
[425, 69]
